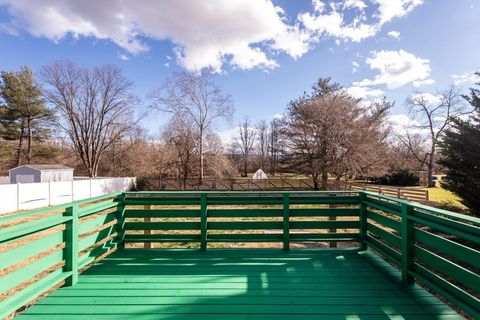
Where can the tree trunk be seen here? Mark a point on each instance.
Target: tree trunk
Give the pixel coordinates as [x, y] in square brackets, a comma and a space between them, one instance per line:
[20, 145]
[315, 181]
[430, 182]
[245, 162]
[29, 143]
[200, 178]
[324, 180]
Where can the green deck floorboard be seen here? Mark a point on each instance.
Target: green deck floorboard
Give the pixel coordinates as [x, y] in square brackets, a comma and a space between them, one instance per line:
[240, 284]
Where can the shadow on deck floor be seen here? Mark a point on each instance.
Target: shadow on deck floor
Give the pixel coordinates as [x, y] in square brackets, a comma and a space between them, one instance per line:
[240, 284]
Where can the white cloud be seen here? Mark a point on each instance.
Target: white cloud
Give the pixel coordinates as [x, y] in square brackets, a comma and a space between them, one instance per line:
[355, 66]
[214, 33]
[394, 34]
[123, 57]
[228, 136]
[364, 92]
[389, 9]
[334, 23]
[401, 123]
[318, 5]
[397, 68]
[421, 83]
[205, 33]
[166, 65]
[427, 97]
[359, 4]
[467, 77]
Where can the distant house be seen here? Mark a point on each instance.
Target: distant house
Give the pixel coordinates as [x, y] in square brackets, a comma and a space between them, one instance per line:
[40, 173]
[259, 175]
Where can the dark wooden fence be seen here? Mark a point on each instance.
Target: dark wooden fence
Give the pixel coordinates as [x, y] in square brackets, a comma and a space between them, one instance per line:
[281, 184]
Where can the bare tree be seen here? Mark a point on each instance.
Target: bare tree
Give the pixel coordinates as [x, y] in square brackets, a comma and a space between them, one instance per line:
[96, 107]
[179, 137]
[431, 115]
[274, 144]
[262, 143]
[245, 143]
[194, 96]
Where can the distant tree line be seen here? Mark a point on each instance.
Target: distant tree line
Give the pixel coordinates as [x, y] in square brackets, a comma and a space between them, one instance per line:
[89, 118]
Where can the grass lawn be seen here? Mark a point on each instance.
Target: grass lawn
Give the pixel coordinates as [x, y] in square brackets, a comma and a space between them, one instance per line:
[442, 195]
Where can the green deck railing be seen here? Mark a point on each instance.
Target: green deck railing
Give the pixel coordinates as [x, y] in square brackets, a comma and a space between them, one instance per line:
[42, 249]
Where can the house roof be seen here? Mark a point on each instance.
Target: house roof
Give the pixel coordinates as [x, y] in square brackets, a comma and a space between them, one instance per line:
[44, 167]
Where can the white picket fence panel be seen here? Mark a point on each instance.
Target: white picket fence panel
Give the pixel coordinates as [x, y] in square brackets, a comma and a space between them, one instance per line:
[24, 196]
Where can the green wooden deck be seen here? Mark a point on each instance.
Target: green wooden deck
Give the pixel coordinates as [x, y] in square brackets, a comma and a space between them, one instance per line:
[240, 284]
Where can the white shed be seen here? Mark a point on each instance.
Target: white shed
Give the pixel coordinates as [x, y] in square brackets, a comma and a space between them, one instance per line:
[259, 175]
[40, 173]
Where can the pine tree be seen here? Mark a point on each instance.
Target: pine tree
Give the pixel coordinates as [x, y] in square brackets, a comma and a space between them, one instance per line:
[24, 114]
[461, 156]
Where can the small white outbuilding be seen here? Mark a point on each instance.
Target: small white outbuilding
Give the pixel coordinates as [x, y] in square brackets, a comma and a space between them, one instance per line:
[40, 173]
[259, 175]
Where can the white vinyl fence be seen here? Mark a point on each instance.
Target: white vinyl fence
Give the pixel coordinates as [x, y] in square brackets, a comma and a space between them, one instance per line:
[24, 196]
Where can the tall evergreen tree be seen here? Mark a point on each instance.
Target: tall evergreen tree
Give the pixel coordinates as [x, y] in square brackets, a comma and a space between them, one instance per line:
[461, 156]
[24, 114]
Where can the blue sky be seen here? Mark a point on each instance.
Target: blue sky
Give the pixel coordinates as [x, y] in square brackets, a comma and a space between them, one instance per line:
[267, 53]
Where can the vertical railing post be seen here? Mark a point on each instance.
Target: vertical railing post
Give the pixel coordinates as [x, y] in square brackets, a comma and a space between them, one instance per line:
[120, 227]
[363, 221]
[147, 208]
[286, 221]
[71, 245]
[407, 242]
[203, 221]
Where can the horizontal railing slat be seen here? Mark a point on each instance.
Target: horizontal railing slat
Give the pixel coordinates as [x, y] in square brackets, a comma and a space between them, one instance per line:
[344, 236]
[466, 277]
[474, 237]
[245, 237]
[245, 225]
[30, 293]
[31, 227]
[388, 252]
[15, 278]
[97, 207]
[454, 249]
[27, 250]
[162, 238]
[384, 235]
[382, 206]
[92, 239]
[162, 225]
[247, 213]
[324, 224]
[89, 225]
[324, 212]
[384, 220]
[162, 213]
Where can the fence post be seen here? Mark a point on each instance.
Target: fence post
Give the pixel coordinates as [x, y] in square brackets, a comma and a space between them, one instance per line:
[407, 242]
[363, 221]
[286, 221]
[18, 196]
[71, 191]
[203, 221]
[49, 193]
[120, 227]
[71, 245]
